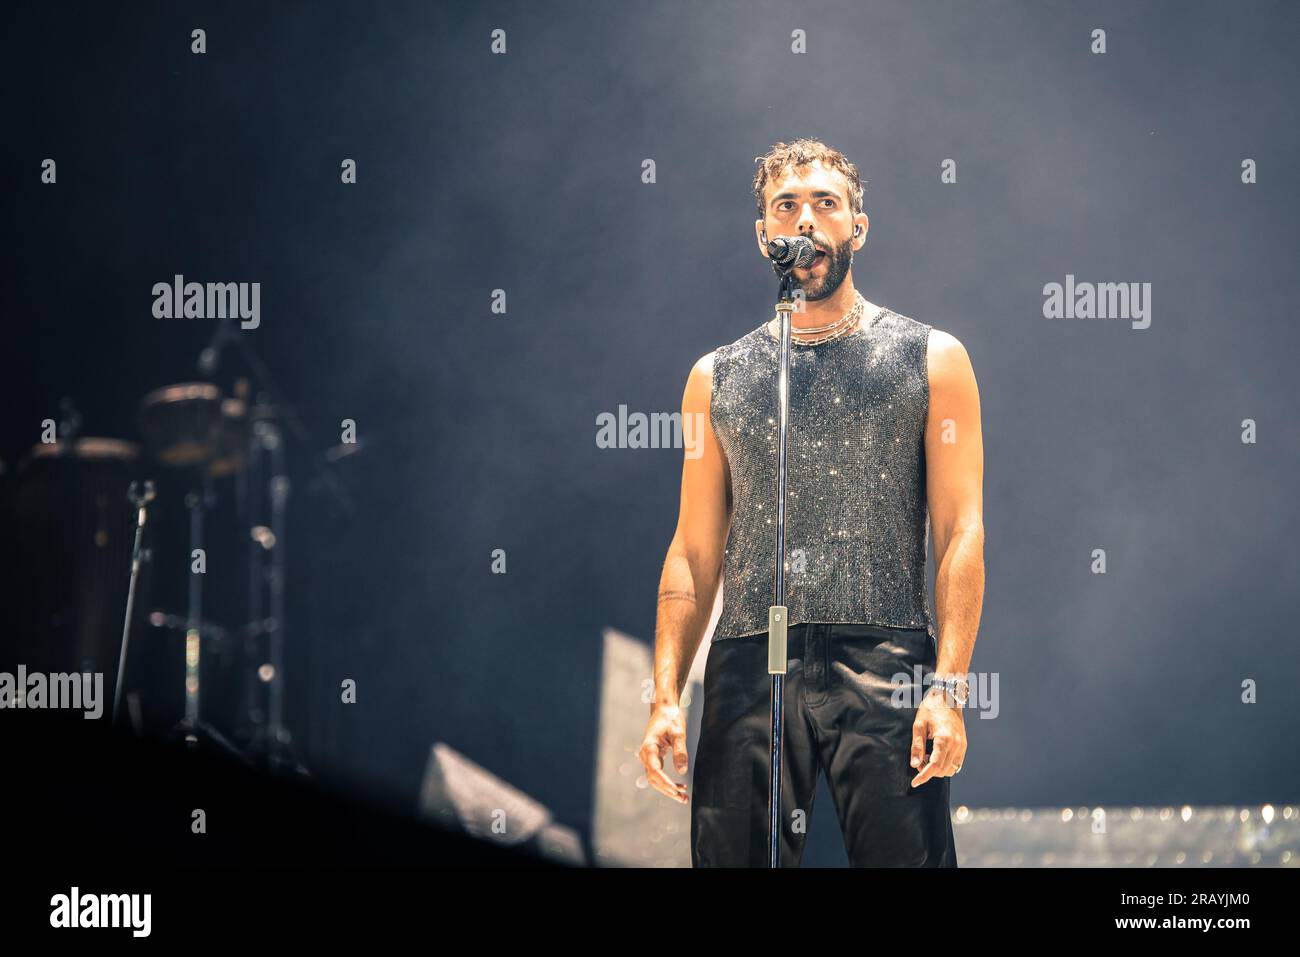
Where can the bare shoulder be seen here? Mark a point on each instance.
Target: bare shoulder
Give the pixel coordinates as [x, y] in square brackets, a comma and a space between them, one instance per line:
[945, 347]
[947, 359]
[699, 385]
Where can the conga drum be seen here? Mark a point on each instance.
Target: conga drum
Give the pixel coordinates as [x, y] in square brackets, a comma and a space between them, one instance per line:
[73, 534]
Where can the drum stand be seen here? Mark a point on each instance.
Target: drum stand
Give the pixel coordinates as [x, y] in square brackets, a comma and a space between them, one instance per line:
[192, 729]
[272, 740]
[267, 739]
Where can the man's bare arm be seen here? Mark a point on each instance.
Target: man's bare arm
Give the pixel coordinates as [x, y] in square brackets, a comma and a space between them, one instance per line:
[954, 451]
[954, 454]
[689, 582]
[693, 567]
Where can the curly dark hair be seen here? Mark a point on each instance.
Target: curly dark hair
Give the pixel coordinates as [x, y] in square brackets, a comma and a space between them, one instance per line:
[801, 152]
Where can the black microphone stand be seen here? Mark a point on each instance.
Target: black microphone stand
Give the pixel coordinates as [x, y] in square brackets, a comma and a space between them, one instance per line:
[777, 614]
[140, 497]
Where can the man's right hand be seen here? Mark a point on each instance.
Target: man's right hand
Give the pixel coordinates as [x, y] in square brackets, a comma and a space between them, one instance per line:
[665, 734]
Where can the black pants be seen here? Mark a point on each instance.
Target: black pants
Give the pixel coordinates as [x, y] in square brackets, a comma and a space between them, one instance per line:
[839, 716]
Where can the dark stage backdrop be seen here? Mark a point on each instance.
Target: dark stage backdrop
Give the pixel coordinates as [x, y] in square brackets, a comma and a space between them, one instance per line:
[525, 172]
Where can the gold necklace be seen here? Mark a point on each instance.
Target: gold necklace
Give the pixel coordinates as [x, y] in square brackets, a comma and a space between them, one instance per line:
[840, 327]
[850, 327]
[858, 303]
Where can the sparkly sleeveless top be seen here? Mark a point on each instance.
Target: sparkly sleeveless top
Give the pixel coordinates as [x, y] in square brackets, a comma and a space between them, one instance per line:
[857, 525]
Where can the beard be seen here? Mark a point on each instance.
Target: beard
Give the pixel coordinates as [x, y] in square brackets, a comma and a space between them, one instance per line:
[839, 259]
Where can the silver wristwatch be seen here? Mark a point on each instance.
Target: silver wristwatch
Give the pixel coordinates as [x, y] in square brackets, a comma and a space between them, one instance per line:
[959, 688]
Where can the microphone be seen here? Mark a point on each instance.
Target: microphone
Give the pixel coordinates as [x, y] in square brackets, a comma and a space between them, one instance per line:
[792, 252]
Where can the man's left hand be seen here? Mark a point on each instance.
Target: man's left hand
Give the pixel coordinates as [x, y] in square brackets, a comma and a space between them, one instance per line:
[941, 721]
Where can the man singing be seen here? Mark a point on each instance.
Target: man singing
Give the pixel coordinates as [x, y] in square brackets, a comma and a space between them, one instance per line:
[883, 439]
